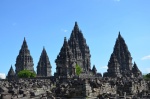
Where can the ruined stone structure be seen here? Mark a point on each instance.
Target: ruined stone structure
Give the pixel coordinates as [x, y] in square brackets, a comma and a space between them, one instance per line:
[74, 52]
[94, 70]
[120, 64]
[11, 74]
[136, 72]
[123, 80]
[24, 59]
[80, 49]
[65, 62]
[44, 66]
[113, 67]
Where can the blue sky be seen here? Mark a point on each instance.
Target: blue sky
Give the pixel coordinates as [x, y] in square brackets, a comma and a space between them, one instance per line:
[47, 22]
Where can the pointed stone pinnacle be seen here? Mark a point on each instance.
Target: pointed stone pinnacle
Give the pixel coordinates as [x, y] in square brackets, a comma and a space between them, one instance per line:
[76, 24]
[24, 60]
[119, 35]
[44, 49]
[44, 64]
[65, 39]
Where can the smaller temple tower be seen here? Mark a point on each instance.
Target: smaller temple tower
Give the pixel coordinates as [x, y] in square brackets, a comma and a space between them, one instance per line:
[65, 63]
[120, 63]
[94, 70]
[44, 66]
[136, 72]
[24, 60]
[122, 54]
[11, 74]
[113, 67]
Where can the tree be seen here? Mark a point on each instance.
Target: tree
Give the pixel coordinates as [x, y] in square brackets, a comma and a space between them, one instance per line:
[147, 76]
[26, 74]
[78, 70]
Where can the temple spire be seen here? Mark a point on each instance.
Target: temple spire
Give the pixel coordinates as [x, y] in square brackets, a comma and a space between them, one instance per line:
[11, 73]
[113, 67]
[80, 49]
[76, 25]
[135, 68]
[121, 58]
[65, 41]
[44, 66]
[94, 70]
[24, 60]
[119, 35]
[65, 52]
[43, 47]
[136, 72]
[44, 51]
[24, 45]
[122, 54]
[64, 61]
[76, 30]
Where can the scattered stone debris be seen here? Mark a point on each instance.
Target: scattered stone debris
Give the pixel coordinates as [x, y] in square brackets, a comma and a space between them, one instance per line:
[102, 88]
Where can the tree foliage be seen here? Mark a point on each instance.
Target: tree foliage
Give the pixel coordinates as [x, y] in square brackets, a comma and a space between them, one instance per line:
[78, 70]
[26, 74]
[147, 76]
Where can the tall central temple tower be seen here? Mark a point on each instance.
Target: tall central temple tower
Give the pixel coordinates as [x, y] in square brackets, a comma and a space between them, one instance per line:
[74, 52]
[80, 49]
[24, 60]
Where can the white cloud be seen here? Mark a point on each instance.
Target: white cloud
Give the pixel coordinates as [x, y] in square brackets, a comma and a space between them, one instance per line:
[145, 57]
[104, 67]
[2, 76]
[64, 30]
[117, 0]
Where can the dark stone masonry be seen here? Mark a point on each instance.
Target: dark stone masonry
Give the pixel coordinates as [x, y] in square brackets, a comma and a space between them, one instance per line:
[24, 59]
[123, 79]
[44, 66]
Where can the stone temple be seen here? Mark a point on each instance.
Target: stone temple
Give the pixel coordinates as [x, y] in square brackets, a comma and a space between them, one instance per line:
[120, 63]
[74, 52]
[123, 79]
[44, 66]
[24, 59]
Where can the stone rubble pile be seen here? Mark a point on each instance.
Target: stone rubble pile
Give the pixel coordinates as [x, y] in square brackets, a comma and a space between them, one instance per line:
[79, 88]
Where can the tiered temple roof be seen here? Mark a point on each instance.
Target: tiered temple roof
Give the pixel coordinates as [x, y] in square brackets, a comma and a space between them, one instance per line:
[80, 49]
[136, 71]
[65, 61]
[113, 67]
[44, 66]
[24, 60]
[120, 63]
[11, 71]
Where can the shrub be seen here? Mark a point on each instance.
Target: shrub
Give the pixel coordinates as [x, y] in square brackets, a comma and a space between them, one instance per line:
[78, 70]
[26, 74]
[147, 76]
